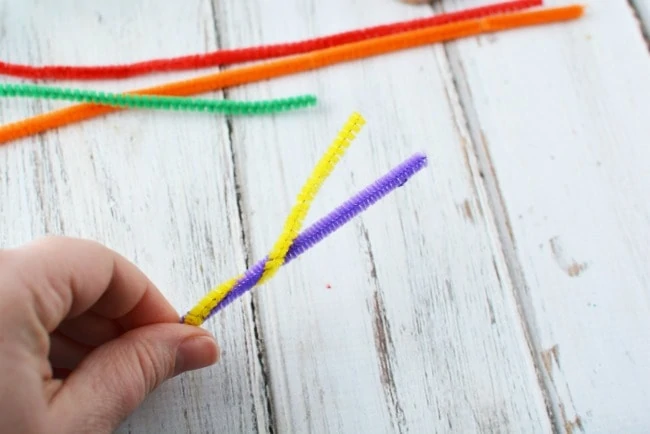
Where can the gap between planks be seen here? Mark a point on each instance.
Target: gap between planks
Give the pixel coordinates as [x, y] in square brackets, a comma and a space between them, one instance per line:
[258, 333]
[641, 11]
[543, 357]
[486, 179]
[486, 176]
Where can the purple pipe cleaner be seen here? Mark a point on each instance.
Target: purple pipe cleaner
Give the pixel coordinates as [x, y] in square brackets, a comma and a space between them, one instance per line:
[330, 223]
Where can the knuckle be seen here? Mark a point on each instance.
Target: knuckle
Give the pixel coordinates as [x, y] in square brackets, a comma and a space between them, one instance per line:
[153, 364]
[146, 367]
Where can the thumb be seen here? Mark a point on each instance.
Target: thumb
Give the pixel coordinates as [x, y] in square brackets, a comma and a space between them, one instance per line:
[115, 378]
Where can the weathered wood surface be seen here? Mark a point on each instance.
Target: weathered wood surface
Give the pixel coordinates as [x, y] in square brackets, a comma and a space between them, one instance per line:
[565, 132]
[156, 186]
[641, 8]
[505, 289]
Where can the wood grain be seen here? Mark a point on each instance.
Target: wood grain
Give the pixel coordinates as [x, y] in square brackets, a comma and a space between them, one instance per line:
[505, 289]
[419, 331]
[157, 187]
[641, 8]
[558, 118]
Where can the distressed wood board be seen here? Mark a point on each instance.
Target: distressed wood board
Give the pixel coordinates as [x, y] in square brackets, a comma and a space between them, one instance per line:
[567, 146]
[641, 9]
[504, 289]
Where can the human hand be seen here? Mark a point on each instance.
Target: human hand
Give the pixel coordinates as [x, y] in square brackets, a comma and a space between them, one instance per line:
[74, 305]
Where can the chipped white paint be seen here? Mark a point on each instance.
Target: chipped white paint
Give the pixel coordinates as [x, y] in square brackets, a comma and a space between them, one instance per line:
[643, 10]
[157, 187]
[407, 319]
[566, 131]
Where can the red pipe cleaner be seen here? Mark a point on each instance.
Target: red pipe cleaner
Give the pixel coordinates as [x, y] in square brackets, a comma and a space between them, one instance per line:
[226, 57]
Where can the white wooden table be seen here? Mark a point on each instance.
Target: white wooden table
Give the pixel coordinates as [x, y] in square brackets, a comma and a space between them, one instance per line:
[505, 289]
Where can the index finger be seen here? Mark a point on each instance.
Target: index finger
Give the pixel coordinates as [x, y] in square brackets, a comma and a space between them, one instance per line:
[67, 276]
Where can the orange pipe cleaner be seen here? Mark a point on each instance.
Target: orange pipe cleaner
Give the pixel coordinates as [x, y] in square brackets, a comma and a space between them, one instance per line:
[305, 62]
[264, 52]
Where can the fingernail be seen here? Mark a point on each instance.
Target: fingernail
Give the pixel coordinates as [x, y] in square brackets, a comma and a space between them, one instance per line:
[195, 353]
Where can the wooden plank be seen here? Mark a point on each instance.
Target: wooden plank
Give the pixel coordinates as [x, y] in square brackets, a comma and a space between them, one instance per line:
[157, 187]
[559, 118]
[642, 9]
[405, 320]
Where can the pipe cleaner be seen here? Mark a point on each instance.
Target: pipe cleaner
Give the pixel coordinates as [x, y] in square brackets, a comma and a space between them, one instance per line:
[158, 102]
[290, 243]
[294, 221]
[228, 57]
[330, 223]
[305, 62]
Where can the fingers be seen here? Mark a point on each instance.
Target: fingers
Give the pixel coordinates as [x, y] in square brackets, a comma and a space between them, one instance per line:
[114, 379]
[66, 353]
[90, 329]
[69, 276]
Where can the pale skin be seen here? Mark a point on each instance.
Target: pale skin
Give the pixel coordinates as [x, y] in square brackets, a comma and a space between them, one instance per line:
[84, 338]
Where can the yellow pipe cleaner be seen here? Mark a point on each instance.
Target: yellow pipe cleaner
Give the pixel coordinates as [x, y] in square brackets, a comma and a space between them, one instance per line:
[293, 223]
